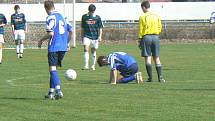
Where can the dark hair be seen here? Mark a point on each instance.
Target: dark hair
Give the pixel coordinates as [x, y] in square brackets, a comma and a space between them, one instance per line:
[145, 4]
[16, 7]
[102, 61]
[49, 5]
[92, 8]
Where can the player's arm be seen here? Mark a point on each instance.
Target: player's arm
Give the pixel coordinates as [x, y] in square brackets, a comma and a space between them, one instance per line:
[159, 25]
[82, 28]
[100, 34]
[69, 40]
[100, 29]
[12, 24]
[113, 76]
[50, 23]
[26, 27]
[4, 22]
[47, 36]
[140, 30]
[69, 29]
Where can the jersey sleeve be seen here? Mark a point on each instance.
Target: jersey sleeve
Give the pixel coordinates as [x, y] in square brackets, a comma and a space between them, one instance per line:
[5, 20]
[69, 25]
[82, 22]
[140, 27]
[111, 61]
[11, 20]
[50, 23]
[24, 20]
[159, 25]
[100, 24]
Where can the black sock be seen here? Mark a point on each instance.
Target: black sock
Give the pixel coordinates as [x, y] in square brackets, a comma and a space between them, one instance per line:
[158, 68]
[149, 71]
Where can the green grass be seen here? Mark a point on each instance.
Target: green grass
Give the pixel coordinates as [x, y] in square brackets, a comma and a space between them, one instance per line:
[188, 94]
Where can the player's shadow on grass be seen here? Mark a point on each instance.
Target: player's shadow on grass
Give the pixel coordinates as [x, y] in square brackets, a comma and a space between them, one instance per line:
[19, 98]
[193, 89]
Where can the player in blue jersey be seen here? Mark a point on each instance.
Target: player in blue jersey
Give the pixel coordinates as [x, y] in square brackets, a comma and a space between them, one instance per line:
[124, 64]
[19, 28]
[91, 33]
[59, 33]
[3, 22]
[212, 18]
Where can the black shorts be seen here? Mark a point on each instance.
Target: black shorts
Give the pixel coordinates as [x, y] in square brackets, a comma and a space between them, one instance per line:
[55, 58]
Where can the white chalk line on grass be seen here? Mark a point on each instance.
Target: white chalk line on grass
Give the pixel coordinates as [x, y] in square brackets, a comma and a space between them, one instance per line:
[11, 82]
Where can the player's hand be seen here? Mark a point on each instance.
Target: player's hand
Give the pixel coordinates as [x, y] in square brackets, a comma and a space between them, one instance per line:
[139, 44]
[68, 47]
[100, 39]
[40, 44]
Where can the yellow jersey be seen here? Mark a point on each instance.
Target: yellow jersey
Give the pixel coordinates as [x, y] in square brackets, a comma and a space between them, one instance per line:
[149, 23]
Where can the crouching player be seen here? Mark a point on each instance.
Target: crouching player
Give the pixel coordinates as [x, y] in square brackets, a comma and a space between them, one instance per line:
[124, 64]
[59, 33]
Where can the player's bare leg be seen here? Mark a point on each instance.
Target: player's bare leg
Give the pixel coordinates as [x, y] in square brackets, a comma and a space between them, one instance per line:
[21, 48]
[148, 68]
[86, 57]
[93, 57]
[17, 48]
[158, 69]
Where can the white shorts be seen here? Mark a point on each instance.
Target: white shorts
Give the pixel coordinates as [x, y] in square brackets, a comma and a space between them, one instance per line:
[91, 43]
[19, 35]
[1, 38]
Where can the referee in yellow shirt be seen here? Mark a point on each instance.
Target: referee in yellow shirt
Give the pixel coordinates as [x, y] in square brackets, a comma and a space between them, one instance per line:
[149, 42]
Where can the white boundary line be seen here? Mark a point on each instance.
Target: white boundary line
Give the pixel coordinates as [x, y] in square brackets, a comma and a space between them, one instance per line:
[11, 82]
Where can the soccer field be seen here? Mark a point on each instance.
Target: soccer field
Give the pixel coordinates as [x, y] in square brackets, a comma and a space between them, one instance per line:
[188, 94]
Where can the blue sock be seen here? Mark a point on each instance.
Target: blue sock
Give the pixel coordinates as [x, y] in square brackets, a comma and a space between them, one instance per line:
[55, 79]
[127, 79]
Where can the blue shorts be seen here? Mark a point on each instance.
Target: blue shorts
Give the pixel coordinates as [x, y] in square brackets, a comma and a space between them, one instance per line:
[129, 71]
[55, 58]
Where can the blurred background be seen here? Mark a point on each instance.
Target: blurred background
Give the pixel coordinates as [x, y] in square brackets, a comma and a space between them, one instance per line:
[95, 1]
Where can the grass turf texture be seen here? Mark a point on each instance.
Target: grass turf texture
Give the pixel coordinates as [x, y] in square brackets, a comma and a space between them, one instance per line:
[188, 94]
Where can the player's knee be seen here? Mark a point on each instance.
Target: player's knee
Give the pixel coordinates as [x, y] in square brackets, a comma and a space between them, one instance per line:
[52, 68]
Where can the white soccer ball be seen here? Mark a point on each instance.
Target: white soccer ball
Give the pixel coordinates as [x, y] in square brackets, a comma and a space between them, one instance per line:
[70, 74]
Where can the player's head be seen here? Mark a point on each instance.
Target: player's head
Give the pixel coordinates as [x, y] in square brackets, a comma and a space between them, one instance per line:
[17, 8]
[49, 6]
[102, 61]
[145, 5]
[92, 8]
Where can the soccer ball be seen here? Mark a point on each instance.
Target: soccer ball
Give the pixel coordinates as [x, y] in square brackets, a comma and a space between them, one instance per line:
[70, 74]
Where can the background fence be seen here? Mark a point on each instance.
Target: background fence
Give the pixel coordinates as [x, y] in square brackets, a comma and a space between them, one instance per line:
[173, 31]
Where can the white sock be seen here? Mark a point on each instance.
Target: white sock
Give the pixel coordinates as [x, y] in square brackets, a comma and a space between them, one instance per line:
[86, 59]
[93, 57]
[51, 90]
[17, 50]
[21, 48]
[0, 55]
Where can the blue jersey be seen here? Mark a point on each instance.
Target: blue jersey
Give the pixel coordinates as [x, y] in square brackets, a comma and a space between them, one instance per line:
[212, 16]
[55, 22]
[18, 20]
[3, 20]
[120, 61]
